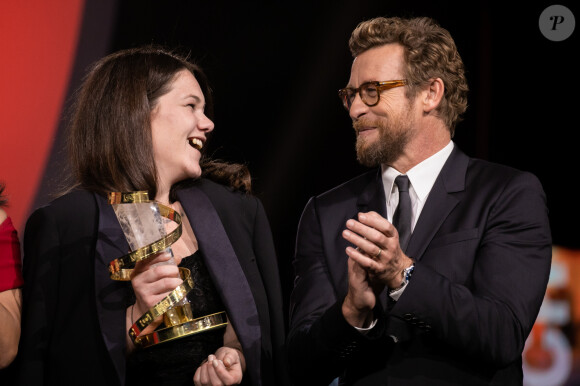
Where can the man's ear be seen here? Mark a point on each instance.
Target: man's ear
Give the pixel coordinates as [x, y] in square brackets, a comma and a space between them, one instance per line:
[433, 94]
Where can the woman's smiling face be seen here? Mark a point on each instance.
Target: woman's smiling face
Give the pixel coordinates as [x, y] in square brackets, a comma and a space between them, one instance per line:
[179, 129]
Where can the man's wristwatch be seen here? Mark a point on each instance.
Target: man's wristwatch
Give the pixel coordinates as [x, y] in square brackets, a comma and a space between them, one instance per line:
[407, 272]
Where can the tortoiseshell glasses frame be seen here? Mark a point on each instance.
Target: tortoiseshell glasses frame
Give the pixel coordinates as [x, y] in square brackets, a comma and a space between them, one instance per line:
[369, 92]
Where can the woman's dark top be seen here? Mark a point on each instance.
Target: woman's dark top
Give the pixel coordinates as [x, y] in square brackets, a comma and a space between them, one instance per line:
[175, 362]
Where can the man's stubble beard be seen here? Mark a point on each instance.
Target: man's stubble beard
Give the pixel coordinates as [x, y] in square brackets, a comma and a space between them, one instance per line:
[393, 137]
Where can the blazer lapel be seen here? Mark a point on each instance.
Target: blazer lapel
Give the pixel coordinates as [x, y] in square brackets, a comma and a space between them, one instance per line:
[373, 197]
[111, 294]
[440, 202]
[225, 271]
[369, 196]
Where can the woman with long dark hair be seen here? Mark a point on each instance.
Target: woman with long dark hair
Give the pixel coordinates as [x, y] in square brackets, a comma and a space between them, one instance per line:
[140, 123]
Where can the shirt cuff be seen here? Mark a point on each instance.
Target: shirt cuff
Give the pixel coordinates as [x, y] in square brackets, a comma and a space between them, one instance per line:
[396, 294]
[364, 330]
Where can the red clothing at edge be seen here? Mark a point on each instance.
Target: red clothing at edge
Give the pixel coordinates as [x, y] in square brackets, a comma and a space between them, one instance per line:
[10, 262]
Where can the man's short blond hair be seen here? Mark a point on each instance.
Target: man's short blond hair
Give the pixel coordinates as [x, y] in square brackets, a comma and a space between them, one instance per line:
[429, 53]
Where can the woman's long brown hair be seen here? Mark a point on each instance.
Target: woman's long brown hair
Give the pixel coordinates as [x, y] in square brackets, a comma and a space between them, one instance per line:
[109, 139]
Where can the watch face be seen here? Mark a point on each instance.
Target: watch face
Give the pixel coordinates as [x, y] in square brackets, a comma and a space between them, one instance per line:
[408, 272]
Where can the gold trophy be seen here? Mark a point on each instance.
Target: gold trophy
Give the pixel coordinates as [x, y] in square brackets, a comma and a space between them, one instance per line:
[143, 223]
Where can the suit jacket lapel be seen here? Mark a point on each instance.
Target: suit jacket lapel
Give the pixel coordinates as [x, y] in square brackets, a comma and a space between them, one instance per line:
[370, 196]
[440, 202]
[111, 294]
[225, 271]
[373, 197]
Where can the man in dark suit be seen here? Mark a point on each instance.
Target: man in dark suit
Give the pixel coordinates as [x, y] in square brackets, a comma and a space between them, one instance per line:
[447, 295]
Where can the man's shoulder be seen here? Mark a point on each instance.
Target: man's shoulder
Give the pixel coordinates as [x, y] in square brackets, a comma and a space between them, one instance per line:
[350, 189]
[483, 174]
[488, 172]
[494, 167]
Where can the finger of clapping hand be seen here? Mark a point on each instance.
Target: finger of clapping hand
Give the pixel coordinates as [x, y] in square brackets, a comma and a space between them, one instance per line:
[365, 237]
[362, 259]
[377, 222]
[363, 245]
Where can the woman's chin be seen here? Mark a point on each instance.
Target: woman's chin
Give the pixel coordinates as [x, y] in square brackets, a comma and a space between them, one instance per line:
[194, 173]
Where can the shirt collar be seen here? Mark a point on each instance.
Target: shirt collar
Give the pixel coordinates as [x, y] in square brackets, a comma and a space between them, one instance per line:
[422, 176]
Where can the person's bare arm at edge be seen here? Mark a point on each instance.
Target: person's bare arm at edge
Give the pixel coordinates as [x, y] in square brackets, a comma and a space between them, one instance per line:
[10, 311]
[10, 314]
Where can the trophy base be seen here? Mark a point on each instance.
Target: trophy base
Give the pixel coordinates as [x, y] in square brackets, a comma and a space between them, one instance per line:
[195, 326]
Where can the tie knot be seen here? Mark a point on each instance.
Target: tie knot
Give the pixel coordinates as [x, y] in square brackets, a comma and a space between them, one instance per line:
[402, 182]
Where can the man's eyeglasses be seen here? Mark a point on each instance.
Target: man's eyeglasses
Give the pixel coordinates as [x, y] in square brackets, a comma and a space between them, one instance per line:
[369, 92]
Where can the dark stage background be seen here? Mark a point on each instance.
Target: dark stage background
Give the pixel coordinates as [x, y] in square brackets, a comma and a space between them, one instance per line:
[275, 68]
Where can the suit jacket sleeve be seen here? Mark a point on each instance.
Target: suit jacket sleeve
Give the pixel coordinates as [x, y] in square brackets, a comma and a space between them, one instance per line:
[41, 274]
[59, 314]
[320, 342]
[268, 265]
[248, 230]
[480, 276]
[480, 294]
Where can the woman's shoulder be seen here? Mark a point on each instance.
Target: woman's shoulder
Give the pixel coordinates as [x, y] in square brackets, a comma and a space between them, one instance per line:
[225, 195]
[74, 204]
[77, 199]
[217, 187]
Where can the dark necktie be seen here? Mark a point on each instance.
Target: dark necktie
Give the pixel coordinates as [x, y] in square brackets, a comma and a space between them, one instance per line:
[403, 213]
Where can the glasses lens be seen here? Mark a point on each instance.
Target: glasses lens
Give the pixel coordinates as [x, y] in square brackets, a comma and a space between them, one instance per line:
[346, 96]
[369, 94]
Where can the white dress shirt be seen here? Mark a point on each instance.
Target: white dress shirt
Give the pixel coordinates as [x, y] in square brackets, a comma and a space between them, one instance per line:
[421, 177]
